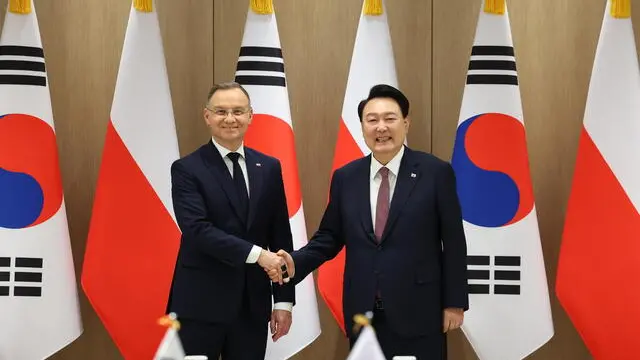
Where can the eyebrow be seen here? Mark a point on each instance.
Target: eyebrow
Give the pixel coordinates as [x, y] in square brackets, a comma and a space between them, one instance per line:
[383, 114]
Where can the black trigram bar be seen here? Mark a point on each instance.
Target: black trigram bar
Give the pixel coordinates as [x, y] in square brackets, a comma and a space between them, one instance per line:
[27, 291]
[492, 65]
[29, 262]
[478, 289]
[478, 260]
[22, 65]
[261, 51]
[492, 50]
[5, 262]
[506, 275]
[261, 80]
[28, 277]
[23, 80]
[492, 79]
[506, 289]
[264, 80]
[5, 276]
[260, 66]
[507, 260]
[478, 274]
[4, 291]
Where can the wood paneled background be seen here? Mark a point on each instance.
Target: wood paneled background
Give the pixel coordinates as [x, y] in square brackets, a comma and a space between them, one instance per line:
[555, 42]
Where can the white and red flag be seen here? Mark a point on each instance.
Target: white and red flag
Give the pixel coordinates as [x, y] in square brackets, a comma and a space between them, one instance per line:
[133, 237]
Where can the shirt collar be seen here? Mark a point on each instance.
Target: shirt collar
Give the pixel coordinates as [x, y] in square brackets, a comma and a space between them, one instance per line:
[224, 151]
[393, 165]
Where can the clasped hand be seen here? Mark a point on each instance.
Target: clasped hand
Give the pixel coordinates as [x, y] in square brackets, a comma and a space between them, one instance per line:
[278, 266]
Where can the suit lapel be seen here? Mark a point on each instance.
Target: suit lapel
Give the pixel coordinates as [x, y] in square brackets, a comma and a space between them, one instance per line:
[219, 169]
[255, 175]
[363, 193]
[408, 176]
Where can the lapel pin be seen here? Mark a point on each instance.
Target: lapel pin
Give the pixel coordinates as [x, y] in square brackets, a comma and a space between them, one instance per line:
[258, 164]
[413, 175]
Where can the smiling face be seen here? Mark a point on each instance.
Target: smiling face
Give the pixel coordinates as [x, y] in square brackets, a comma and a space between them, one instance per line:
[384, 128]
[228, 115]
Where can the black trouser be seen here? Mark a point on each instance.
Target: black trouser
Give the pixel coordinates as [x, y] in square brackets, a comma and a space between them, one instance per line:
[244, 339]
[429, 347]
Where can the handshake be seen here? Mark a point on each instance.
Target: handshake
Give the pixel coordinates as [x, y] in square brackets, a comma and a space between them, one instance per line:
[279, 266]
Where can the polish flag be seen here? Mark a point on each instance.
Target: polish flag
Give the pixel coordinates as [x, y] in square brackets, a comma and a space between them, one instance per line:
[372, 63]
[260, 70]
[39, 309]
[133, 237]
[599, 261]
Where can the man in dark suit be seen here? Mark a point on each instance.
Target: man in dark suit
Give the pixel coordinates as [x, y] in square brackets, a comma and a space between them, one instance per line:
[230, 204]
[397, 213]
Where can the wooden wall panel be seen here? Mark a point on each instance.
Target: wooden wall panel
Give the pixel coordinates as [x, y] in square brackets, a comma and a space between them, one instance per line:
[317, 39]
[555, 43]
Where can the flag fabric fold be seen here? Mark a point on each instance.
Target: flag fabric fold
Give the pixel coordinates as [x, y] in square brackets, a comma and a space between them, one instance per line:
[133, 236]
[261, 71]
[372, 63]
[509, 313]
[600, 254]
[38, 293]
[367, 346]
[170, 347]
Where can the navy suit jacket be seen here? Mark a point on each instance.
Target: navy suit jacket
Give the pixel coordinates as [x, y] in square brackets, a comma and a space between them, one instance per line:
[419, 266]
[210, 273]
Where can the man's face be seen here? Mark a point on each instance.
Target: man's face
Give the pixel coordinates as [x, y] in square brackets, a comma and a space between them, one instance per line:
[228, 115]
[384, 128]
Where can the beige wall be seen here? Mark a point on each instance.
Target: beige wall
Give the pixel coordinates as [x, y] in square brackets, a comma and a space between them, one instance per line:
[555, 42]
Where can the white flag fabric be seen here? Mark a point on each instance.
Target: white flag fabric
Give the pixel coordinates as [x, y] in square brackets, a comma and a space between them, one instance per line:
[367, 346]
[170, 347]
[133, 237]
[38, 297]
[510, 314]
[260, 70]
[372, 63]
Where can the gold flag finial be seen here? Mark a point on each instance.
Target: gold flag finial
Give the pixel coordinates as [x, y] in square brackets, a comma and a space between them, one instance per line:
[372, 7]
[621, 9]
[262, 7]
[170, 320]
[495, 6]
[143, 5]
[20, 6]
[361, 320]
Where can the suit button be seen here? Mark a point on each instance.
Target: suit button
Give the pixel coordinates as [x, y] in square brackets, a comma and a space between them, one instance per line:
[379, 247]
[376, 272]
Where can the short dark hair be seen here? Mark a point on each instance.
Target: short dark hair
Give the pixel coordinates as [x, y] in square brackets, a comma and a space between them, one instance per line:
[385, 91]
[227, 86]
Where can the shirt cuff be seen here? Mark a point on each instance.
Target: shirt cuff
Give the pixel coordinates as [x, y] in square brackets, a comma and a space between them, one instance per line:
[283, 306]
[254, 254]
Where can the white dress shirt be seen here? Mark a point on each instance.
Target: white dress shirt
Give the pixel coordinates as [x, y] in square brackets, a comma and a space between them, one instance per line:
[375, 179]
[254, 254]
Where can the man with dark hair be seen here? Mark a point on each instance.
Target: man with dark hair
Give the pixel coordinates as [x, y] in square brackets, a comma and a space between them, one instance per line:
[397, 213]
[230, 204]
